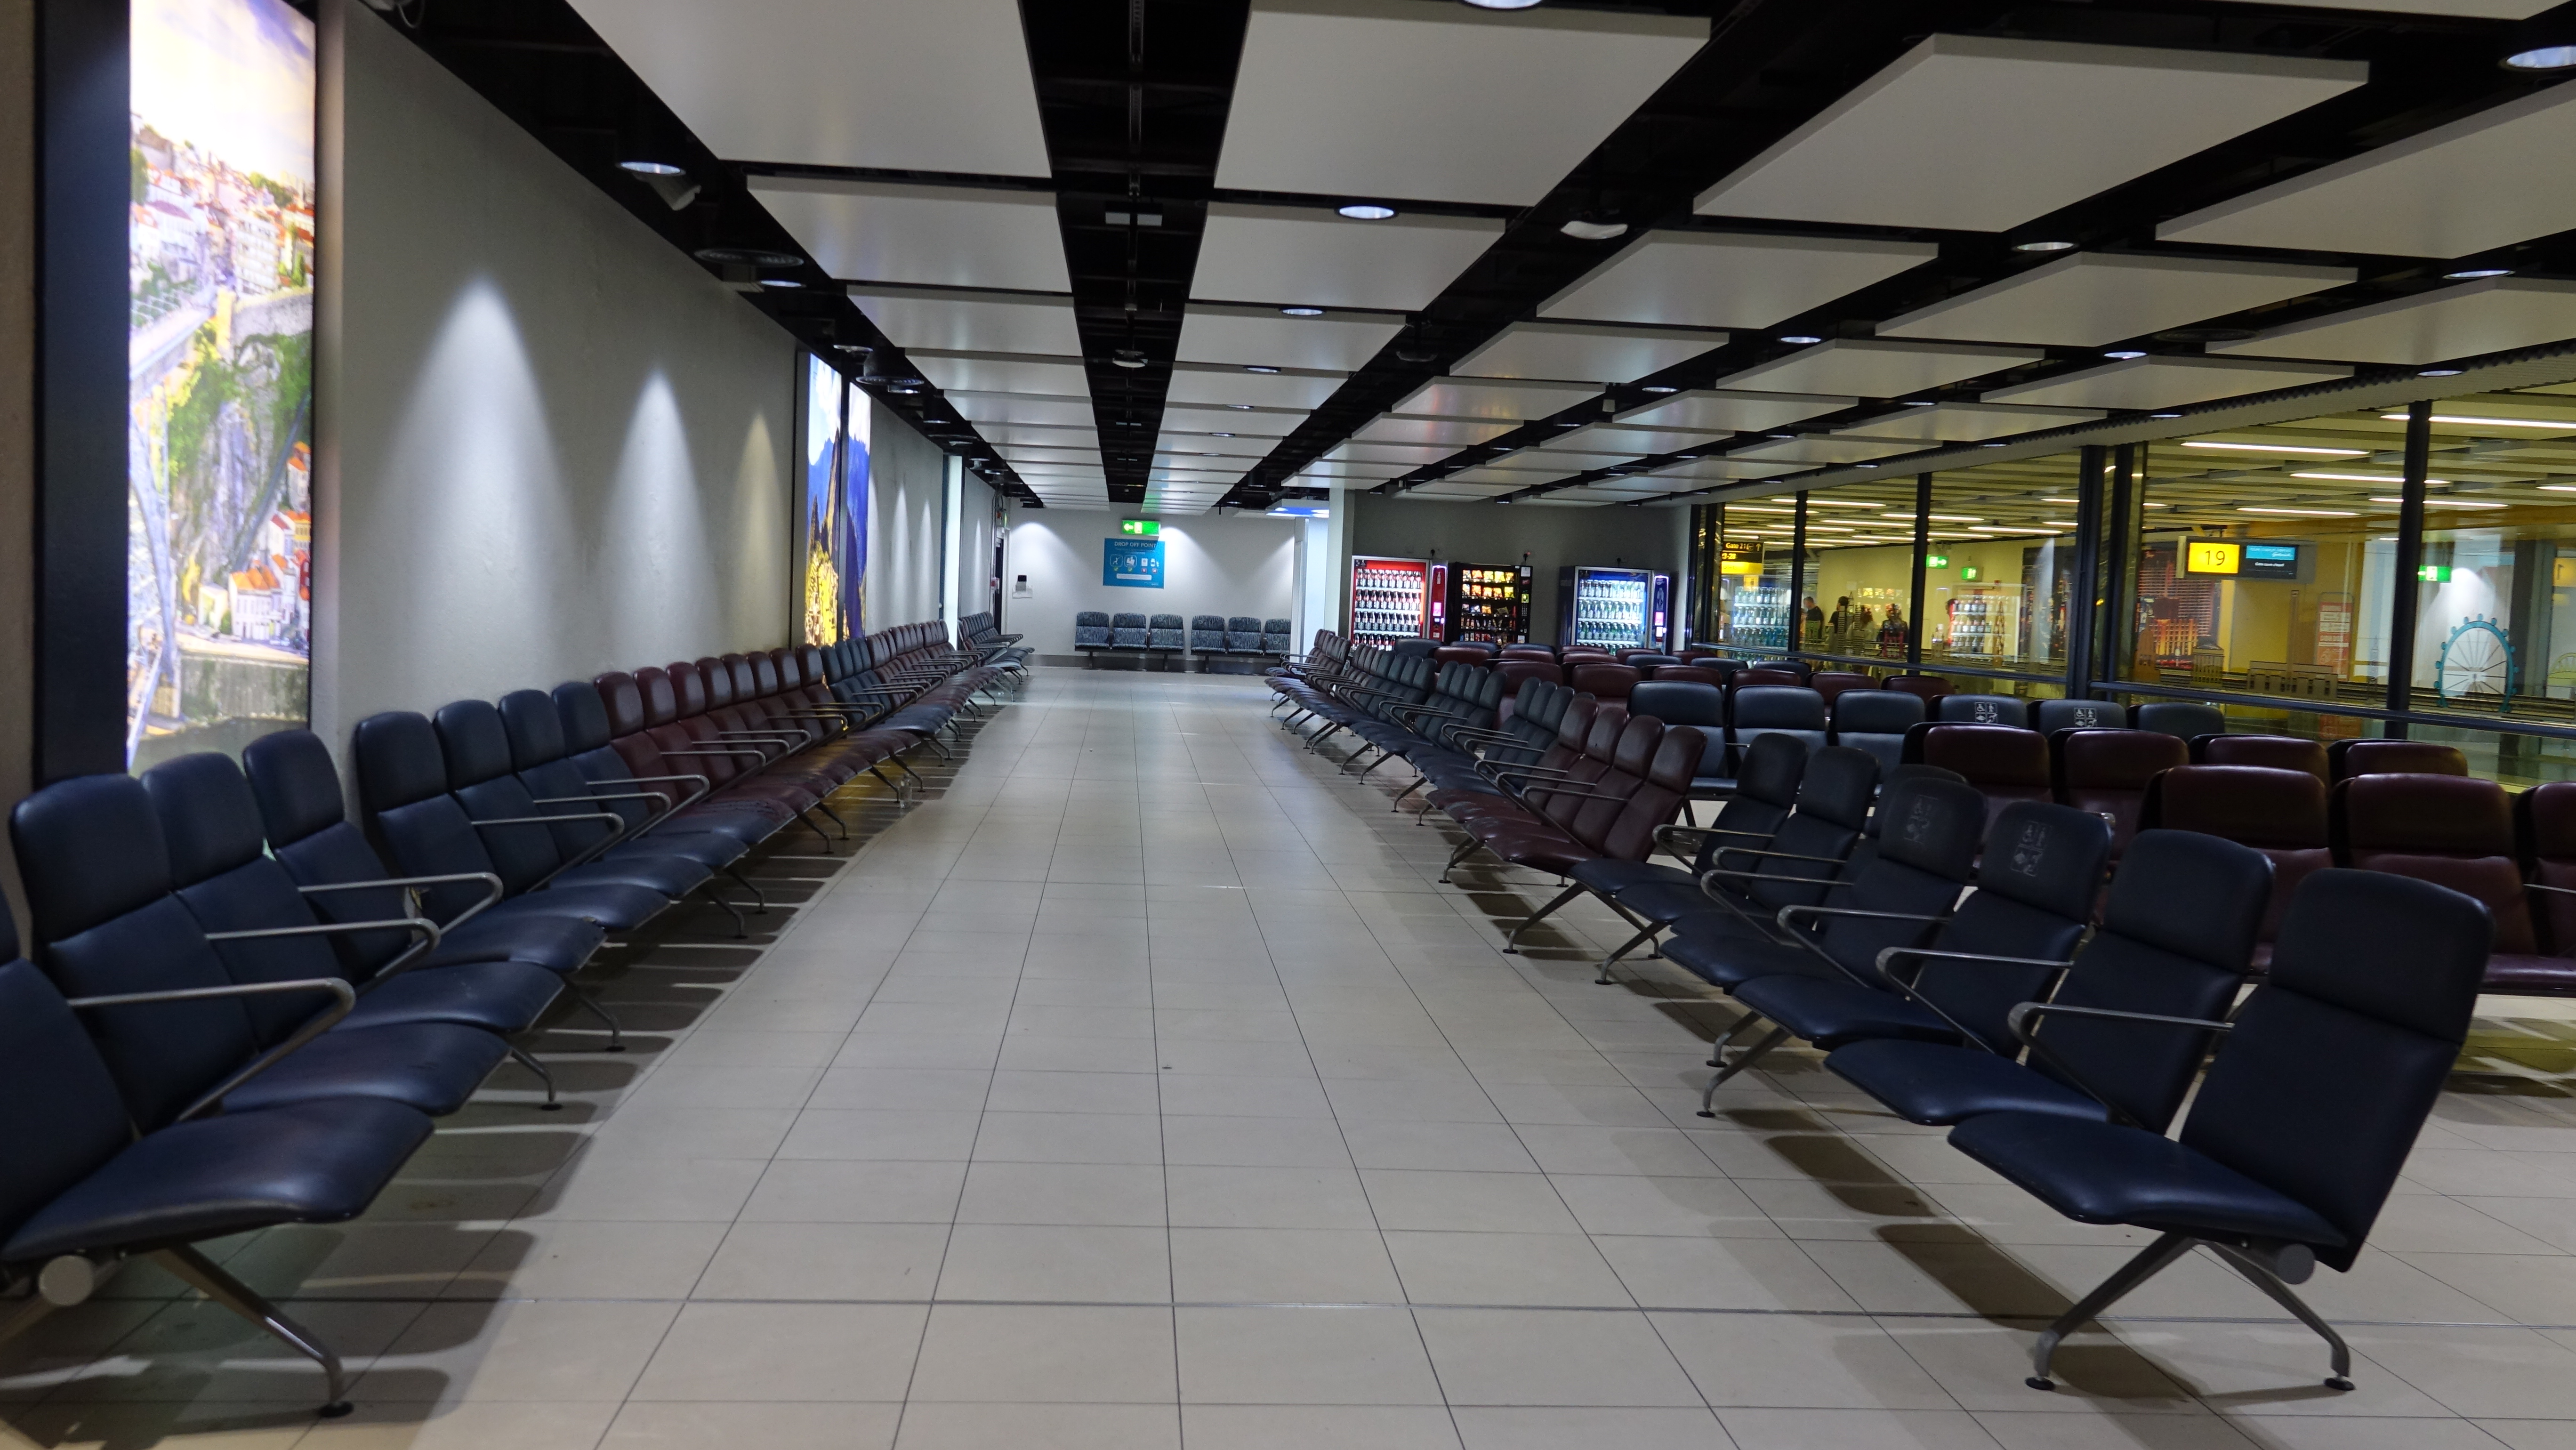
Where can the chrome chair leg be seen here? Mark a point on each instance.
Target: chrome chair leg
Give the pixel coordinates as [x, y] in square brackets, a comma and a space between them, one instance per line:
[201, 1274]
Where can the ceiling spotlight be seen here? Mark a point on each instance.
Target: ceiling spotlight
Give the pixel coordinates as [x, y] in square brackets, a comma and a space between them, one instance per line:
[2441, 372]
[2164, 415]
[1220, 435]
[1254, 368]
[2539, 57]
[2124, 354]
[1585, 227]
[2476, 273]
[1922, 403]
[1366, 211]
[1238, 407]
[1127, 357]
[780, 282]
[1658, 388]
[1301, 311]
[2046, 246]
[1800, 339]
[651, 168]
[904, 386]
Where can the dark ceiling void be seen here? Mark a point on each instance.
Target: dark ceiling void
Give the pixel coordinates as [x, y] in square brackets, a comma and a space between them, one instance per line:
[1133, 98]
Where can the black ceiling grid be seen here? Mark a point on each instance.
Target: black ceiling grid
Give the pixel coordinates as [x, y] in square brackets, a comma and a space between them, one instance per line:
[541, 64]
[1771, 66]
[1132, 96]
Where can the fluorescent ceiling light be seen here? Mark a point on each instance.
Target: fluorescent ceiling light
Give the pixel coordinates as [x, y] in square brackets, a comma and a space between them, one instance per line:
[1302, 312]
[1843, 503]
[2125, 354]
[2370, 478]
[651, 168]
[2304, 513]
[1801, 339]
[1366, 212]
[2477, 273]
[2043, 246]
[2551, 425]
[2446, 503]
[2281, 448]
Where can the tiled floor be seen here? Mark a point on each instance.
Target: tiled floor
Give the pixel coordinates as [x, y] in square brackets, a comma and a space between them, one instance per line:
[1143, 1088]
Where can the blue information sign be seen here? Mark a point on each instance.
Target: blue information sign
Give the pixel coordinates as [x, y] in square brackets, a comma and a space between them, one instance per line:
[1132, 563]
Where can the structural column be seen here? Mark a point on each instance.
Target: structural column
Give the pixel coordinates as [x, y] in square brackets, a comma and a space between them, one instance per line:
[2407, 587]
[1922, 547]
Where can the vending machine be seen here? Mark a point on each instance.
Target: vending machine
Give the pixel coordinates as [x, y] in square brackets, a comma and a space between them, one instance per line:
[1390, 598]
[1489, 604]
[1608, 608]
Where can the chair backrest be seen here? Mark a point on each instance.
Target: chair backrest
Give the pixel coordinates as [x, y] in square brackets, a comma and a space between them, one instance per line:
[60, 1117]
[2153, 953]
[1930, 687]
[1924, 850]
[1165, 621]
[1984, 710]
[1876, 721]
[2036, 883]
[2348, 758]
[1127, 621]
[1703, 707]
[2178, 717]
[1834, 796]
[1277, 626]
[1759, 710]
[2281, 813]
[1766, 790]
[2050, 716]
[1647, 659]
[477, 750]
[1461, 654]
[2335, 1061]
[402, 787]
[1090, 629]
[1832, 683]
[2006, 764]
[1604, 679]
[105, 922]
[1092, 617]
[2447, 829]
[2276, 752]
[2106, 772]
[1630, 836]
[1420, 648]
[1765, 676]
[302, 811]
[1686, 674]
[1623, 774]
[1800, 668]
[1529, 652]
[2544, 819]
[1515, 669]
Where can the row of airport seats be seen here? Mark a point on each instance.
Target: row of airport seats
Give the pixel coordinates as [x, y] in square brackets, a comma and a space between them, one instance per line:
[1209, 636]
[247, 1005]
[982, 633]
[1973, 973]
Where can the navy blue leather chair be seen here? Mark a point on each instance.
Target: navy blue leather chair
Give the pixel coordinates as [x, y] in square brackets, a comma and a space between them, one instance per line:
[2322, 1081]
[539, 753]
[1876, 721]
[522, 835]
[2178, 717]
[2006, 944]
[1760, 710]
[1983, 710]
[2050, 716]
[1691, 702]
[108, 924]
[2177, 939]
[83, 1188]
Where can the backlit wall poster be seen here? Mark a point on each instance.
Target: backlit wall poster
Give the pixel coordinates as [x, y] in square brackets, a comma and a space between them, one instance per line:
[219, 458]
[820, 519]
[853, 546]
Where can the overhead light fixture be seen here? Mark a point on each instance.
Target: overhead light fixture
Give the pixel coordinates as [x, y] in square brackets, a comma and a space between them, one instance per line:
[651, 168]
[2447, 503]
[2302, 513]
[2164, 415]
[1800, 339]
[2371, 478]
[2044, 246]
[1127, 357]
[1220, 435]
[1921, 403]
[2537, 45]
[1238, 407]
[1302, 311]
[2279, 448]
[1658, 388]
[2124, 354]
[1367, 211]
[2474, 274]
[2559, 426]
[780, 282]
[1255, 368]
[1582, 228]
[2441, 372]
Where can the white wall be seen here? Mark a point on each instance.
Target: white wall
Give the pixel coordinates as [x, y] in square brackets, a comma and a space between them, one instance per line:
[975, 513]
[550, 444]
[907, 507]
[1211, 565]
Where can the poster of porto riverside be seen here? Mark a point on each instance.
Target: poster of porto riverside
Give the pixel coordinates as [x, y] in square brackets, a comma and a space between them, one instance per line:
[219, 422]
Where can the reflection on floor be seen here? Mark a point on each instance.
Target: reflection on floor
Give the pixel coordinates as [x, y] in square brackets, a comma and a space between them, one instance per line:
[1140, 1087]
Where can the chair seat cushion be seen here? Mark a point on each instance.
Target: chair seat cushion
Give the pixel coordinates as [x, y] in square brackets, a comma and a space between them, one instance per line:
[1830, 1011]
[1929, 1082]
[1728, 961]
[710, 849]
[502, 997]
[431, 1066]
[614, 905]
[518, 931]
[665, 875]
[2106, 1173]
[1664, 894]
[2518, 974]
[321, 1162]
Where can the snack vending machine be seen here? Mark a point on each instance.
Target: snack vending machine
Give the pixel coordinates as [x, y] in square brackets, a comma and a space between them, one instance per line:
[1390, 598]
[1489, 604]
[1607, 608]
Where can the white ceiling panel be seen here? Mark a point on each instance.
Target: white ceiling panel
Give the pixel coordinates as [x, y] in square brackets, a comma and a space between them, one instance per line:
[1965, 422]
[2446, 192]
[2089, 300]
[981, 408]
[955, 321]
[1628, 441]
[1407, 454]
[1451, 488]
[1809, 452]
[1514, 399]
[1337, 341]
[1345, 470]
[1502, 480]
[1718, 411]
[933, 236]
[995, 372]
[2163, 382]
[1315, 258]
[1888, 153]
[1217, 383]
[1454, 433]
[1024, 453]
[1393, 98]
[1030, 435]
[1722, 470]
[906, 85]
[1243, 422]
[1729, 279]
[1871, 369]
[1584, 350]
[2493, 315]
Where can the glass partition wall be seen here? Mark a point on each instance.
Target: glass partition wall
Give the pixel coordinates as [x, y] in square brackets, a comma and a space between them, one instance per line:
[2287, 572]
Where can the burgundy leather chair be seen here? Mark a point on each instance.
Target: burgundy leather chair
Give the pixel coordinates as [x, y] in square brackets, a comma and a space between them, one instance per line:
[2348, 758]
[1830, 683]
[2004, 764]
[1462, 654]
[1930, 687]
[2456, 832]
[2274, 752]
[2107, 771]
[1686, 674]
[1752, 676]
[2544, 820]
[2281, 813]
[1603, 679]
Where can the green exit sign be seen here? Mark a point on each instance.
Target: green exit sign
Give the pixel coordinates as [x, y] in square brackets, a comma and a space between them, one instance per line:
[1968, 572]
[1140, 526]
[1936, 561]
[2434, 573]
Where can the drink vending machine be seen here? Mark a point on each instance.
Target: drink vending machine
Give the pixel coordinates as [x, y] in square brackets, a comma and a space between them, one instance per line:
[1391, 599]
[1613, 608]
[1489, 604]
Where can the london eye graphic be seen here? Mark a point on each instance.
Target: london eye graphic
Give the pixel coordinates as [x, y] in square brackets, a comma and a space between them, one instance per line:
[2477, 660]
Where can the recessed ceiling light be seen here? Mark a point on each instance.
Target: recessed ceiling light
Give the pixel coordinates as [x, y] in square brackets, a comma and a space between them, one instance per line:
[2369, 478]
[2441, 372]
[2445, 503]
[1238, 407]
[1800, 338]
[1914, 403]
[2164, 415]
[2279, 448]
[1220, 435]
[1302, 311]
[1127, 357]
[2474, 273]
[2303, 513]
[2047, 246]
[2544, 57]
[1659, 388]
[1366, 211]
[2548, 425]
[780, 282]
[1582, 229]
[2124, 354]
[1255, 368]
[651, 168]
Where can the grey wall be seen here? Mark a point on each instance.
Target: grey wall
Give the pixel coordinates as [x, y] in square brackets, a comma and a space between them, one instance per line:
[550, 443]
[1211, 565]
[907, 509]
[1480, 533]
[17, 414]
[975, 546]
